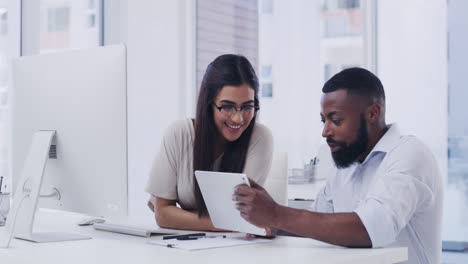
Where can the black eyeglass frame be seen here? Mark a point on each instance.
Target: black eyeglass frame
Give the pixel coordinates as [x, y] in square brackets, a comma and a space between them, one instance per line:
[256, 108]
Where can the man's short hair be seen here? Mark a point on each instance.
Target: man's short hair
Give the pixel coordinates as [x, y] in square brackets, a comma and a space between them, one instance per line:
[357, 82]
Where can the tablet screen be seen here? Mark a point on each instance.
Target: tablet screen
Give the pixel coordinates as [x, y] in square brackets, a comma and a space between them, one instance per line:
[217, 189]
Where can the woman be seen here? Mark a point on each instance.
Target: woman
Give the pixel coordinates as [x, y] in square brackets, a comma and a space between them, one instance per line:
[223, 137]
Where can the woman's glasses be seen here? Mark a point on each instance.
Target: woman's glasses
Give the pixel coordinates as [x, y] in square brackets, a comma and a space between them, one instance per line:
[247, 111]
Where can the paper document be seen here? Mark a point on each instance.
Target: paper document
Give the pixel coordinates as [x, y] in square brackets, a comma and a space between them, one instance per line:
[207, 243]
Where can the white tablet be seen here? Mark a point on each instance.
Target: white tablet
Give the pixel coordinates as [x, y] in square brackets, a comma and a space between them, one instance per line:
[217, 189]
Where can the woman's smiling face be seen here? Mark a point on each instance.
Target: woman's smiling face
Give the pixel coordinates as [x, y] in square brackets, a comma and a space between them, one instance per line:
[233, 110]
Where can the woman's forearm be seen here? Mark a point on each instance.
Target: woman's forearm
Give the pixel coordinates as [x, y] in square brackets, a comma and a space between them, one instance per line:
[171, 216]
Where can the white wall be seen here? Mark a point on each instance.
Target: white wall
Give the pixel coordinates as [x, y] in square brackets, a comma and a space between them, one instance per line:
[412, 64]
[157, 35]
[293, 114]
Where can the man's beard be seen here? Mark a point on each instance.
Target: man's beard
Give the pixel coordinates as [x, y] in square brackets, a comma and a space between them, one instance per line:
[349, 153]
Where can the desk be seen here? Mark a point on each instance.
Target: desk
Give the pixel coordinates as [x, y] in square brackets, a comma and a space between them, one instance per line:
[301, 195]
[113, 248]
[305, 191]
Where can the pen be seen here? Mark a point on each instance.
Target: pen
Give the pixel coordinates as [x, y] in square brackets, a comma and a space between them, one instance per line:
[223, 236]
[199, 237]
[1, 183]
[185, 236]
[189, 237]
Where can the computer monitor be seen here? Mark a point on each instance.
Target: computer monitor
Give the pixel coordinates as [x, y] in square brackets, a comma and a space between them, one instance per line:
[81, 96]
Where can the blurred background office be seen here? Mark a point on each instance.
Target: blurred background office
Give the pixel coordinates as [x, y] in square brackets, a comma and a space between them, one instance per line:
[416, 47]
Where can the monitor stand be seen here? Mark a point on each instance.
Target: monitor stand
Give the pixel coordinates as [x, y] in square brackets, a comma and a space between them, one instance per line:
[21, 217]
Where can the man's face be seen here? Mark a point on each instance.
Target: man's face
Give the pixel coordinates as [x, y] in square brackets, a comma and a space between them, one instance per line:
[345, 126]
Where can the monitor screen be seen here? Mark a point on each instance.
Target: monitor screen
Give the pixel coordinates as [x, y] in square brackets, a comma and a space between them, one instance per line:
[80, 94]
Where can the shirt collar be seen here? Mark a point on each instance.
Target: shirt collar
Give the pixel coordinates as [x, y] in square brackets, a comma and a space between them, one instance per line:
[387, 142]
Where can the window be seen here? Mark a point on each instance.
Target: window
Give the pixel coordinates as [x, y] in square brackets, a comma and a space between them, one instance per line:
[342, 37]
[340, 4]
[91, 14]
[3, 21]
[91, 4]
[58, 19]
[266, 81]
[226, 26]
[65, 24]
[295, 46]
[49, 25]
[302, 44]
[4, 58]
[266, 7]
[456, 195]
[91, 21]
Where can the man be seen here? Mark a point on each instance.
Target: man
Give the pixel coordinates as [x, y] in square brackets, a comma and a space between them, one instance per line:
[384, 191]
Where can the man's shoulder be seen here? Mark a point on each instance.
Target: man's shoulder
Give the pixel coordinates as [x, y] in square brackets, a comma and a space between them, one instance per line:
[409, 144]
[411, 152]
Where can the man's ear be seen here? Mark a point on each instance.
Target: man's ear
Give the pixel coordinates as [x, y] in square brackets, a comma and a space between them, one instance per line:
[373, 112]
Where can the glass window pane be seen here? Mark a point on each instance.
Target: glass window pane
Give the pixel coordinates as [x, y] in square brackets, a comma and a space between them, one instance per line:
[294, 46]
[226, 26]
[456, 194]
[69, 24]
[3, 88]
[342, 44]
[303, 43]
[3, 21]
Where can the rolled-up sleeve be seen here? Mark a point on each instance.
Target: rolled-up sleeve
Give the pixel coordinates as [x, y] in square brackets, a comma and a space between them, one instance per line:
[162, 181]
[395, 196]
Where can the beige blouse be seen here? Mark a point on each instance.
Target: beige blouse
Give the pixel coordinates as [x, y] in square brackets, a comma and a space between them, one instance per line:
[172, 177]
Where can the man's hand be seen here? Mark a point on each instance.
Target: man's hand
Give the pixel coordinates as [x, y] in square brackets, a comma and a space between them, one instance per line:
[270, 233]
[256, 205]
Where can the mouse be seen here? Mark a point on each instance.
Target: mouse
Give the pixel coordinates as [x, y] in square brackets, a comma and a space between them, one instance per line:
[90, 221]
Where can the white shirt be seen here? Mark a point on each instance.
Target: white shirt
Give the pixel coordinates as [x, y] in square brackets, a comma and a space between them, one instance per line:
[397, 192]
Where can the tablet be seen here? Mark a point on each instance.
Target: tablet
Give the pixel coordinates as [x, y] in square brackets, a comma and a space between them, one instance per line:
[217, 189]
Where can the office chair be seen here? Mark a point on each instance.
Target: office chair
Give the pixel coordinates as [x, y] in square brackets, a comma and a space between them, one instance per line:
[277, 181]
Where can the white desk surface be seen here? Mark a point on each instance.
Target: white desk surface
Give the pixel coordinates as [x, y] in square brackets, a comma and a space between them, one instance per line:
[106, 247]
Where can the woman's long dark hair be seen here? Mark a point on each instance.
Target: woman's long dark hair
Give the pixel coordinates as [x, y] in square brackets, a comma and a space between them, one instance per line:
[225, 70]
